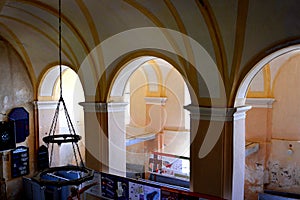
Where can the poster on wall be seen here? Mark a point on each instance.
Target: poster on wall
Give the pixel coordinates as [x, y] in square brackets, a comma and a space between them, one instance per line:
[122, 189]
[20, 161]
[114, 187]
[136, 191]
[108, 186]
[139, 191]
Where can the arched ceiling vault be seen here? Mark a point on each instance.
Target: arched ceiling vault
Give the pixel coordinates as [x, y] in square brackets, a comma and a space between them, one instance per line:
[234, 33]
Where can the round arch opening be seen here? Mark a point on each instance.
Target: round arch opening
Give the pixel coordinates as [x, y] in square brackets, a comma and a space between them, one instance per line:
[268, 149]
[243, 88]
[155, 121]
[48, 96]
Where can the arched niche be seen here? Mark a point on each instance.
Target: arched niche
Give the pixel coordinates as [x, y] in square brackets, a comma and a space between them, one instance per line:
[48, 95]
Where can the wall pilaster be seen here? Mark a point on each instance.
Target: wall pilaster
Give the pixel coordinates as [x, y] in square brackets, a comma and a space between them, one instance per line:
[105, 136]
[217, 151]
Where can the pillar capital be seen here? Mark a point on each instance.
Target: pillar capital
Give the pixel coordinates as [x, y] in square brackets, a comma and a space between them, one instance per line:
[45, 105]
[260, 102]
[104, 107]
[217, 114]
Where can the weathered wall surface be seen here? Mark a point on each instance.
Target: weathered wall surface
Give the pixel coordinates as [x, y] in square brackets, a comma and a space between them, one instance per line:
[276, 164]
[15, 91]
[284, 166]
[255, 164]
[255, 170]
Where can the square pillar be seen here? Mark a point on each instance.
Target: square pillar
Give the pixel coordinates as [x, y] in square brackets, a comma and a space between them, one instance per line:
[217, 151]
[96, 135]
[105, 135]
[117, 138]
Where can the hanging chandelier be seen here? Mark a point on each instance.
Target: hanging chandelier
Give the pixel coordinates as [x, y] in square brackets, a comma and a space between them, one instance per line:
[84, 173]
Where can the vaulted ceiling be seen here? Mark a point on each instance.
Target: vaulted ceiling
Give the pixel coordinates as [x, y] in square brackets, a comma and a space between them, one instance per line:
[236, 34]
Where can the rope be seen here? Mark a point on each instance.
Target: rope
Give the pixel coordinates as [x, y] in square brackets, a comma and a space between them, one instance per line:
[59, 40]
[72, 130]
[61, 100]
[51, 138]
[52, 130]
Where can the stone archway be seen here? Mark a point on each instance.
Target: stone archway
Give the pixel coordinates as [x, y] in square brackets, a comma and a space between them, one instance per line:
[156, 129]
[263, 106]
[206, 78]
[242, 91]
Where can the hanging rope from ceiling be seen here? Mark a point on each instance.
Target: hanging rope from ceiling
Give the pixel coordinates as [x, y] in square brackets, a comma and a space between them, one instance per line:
[72, 137]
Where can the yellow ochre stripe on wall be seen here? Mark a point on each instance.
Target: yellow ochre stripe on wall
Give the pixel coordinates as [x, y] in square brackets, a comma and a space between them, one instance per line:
[89, 19]
[44, 34]
[47, 36]
[239, 38]
[158, 23]
[216, 38]
[267, 85]
[73, 29]
[160, 83]
[96, 38]
[238, 48]
[182, 29]
[25, 57]
[67, 22]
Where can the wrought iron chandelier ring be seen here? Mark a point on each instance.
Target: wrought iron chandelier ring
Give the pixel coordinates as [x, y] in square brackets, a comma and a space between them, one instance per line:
[42, 180]
[61, 138]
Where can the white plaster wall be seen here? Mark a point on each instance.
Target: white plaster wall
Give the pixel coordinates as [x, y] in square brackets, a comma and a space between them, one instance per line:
[286, 108]
[117, 143]
[174, 105]
[137, 103]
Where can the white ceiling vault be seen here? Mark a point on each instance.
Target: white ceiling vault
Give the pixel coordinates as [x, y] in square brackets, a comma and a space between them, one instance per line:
[236, 34]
